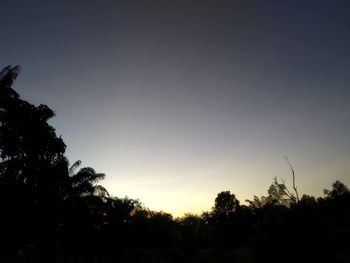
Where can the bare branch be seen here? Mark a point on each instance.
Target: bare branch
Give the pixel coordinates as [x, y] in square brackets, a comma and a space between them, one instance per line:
[293, 176]
[286, 191]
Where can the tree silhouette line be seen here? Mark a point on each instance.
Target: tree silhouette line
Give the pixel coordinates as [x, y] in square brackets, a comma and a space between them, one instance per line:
[51, 211]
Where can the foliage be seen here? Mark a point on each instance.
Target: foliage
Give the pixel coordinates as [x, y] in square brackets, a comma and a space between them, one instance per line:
[225, 203]
[37, 191]
[54, 212]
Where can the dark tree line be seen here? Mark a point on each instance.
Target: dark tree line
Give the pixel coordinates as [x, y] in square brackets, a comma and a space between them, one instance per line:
[51, 211]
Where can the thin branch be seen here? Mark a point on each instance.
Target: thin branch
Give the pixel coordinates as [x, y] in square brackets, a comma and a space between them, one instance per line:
[293, 174]
[286, 191]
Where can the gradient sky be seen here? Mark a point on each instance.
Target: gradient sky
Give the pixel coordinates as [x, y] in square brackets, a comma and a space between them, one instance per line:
[178, 100]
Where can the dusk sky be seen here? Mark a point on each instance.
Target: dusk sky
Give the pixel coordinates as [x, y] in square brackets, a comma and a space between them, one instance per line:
[176, 101]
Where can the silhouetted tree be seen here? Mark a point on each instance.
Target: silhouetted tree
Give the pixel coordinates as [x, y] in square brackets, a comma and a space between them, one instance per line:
[225, 203]
[279, 194]
[53, 212]
[33, 170]
[40, 194]
[338, 189]
[258, 203]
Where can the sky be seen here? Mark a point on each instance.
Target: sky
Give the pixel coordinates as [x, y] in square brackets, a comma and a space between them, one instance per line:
[176, 101]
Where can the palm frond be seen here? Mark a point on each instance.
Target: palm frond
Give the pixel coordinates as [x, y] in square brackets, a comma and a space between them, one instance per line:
[87, 174]
[73, 167]
[4, 71]
[99, 190]
[8, 76]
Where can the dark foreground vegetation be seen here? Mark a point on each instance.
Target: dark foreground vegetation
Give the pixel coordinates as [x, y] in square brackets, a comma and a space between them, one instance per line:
[51, 211]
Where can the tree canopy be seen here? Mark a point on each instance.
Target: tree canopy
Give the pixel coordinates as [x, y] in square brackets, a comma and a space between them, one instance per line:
[51, 211]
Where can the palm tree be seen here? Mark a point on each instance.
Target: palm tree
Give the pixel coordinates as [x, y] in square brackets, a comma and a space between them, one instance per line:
[83, 183]
[32, 167]
[85, 202]
[7, 77]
